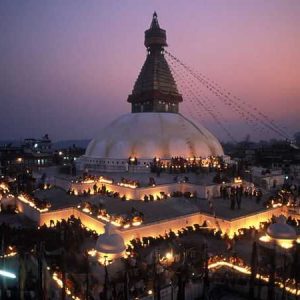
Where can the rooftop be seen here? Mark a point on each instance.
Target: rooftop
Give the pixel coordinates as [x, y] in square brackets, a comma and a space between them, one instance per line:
[153, 211]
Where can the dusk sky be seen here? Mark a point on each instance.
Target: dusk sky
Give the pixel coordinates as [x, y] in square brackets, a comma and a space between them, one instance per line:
[67, 67]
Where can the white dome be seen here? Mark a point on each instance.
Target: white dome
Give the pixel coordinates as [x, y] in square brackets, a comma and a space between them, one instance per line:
[110, 242]
[149, 135]
[281, 230]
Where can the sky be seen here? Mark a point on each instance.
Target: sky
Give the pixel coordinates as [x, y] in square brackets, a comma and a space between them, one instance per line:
[67, 67]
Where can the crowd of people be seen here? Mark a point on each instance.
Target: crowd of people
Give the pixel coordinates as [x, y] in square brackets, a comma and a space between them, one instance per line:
[179, 164]
[235, 193]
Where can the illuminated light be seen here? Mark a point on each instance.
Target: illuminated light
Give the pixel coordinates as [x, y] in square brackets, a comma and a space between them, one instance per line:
[126, 226]
[169, 256]
[86, 210]
[128, 185]
[88, 181]
[7, 274]
[298, 240]
[92, 252]
[116, 223]
[136, 223]
[4, 187]
[105, 180]
[132, 159]
[286, 244]
[247, 271]
[240, 269]
[60, 153]
[19, 159]
[27, 200]
[75, 192]
[265, 238]
[150, 292]
[11, 254]
[60, 284]
[238, 180]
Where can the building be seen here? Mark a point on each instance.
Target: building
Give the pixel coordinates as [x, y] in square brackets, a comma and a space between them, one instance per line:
[31, 153]
[154, 128]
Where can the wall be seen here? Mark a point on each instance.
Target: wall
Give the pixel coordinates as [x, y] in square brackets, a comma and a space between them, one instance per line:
[226, 226]
[58, 215]
[161, 227]
[139, 193]
[90, 222]
[158, 228]
[28, 211]
[255, 219]
[268, 181]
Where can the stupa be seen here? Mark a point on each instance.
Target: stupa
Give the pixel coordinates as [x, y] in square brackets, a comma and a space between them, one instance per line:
[110, 244]
[155, 127]
[280, 233]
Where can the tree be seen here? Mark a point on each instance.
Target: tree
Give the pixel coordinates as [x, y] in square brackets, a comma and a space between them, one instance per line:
[295, 268]
[271, 285]
[253, 270]
[206, 275]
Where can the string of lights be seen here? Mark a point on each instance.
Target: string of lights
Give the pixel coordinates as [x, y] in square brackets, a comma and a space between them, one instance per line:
[251, 115]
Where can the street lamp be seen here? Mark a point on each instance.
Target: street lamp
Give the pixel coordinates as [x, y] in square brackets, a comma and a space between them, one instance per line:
[7, 274]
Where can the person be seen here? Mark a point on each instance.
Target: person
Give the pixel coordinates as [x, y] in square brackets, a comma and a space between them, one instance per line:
[223, 191]
[239, 193]
[258, 196]
[210, 202]
[232, 200]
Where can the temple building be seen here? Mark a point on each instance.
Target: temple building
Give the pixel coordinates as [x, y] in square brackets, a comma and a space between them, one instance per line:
[154, 128]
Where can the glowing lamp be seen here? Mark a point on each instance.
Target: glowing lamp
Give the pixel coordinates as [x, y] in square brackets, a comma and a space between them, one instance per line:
[7, 274]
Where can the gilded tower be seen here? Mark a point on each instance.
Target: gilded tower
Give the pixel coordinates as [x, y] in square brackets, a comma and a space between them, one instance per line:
[155, 89]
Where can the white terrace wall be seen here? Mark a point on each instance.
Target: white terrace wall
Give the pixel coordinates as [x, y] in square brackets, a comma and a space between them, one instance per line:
[255, 219]
[58, 215]
[226, 226]
[90, 222]
[139, 193]
[251, 220]
[29, 211]
[160, 227]
[157, 228]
